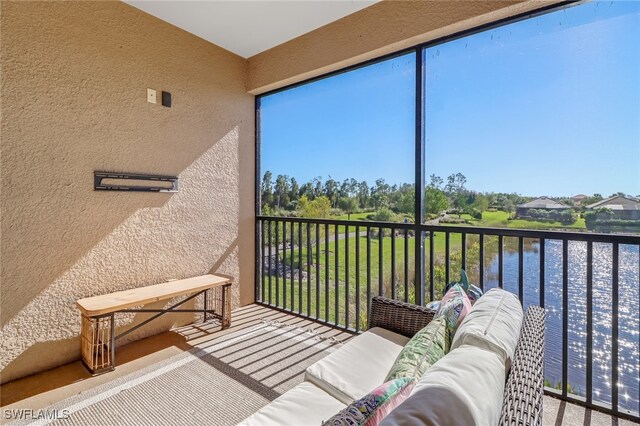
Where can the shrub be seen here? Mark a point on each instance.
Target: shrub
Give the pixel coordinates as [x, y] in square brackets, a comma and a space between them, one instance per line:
[567, 216]
[474, 213]
[383, 215]
[452, 220]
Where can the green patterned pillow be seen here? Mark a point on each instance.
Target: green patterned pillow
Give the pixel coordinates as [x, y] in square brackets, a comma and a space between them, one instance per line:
[421, 352]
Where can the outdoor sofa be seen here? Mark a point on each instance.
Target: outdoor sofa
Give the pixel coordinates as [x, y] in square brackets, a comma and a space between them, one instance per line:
[493, 373]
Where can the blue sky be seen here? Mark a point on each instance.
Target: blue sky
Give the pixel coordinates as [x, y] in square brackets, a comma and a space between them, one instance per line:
[547, 106]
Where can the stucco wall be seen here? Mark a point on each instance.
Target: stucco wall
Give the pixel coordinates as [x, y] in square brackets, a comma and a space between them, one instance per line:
[383, 28]
[74, 80]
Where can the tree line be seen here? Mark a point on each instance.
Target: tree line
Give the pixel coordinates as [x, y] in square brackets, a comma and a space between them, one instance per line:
[319, 198]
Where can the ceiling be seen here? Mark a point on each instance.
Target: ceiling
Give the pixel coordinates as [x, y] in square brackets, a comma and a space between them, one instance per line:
[249, 27]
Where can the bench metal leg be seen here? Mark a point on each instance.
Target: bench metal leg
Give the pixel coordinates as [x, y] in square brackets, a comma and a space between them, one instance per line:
[160, 312]
[113, 341]
[98, 343]
[217, 304]
[206, 305]
[98, 337]
[226, 306]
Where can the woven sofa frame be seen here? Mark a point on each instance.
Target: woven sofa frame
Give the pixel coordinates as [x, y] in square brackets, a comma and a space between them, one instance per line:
[524, 387]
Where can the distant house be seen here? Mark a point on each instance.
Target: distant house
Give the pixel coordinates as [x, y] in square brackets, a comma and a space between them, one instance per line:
[626, 208]
[578, 199]
[542, 203]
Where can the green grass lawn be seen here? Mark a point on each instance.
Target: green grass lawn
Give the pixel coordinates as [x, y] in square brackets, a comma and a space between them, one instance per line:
[490, 219]
[331, 281]
[357, 259]
[354, 216]
[357, 217]
[360, 274]
[500, 219]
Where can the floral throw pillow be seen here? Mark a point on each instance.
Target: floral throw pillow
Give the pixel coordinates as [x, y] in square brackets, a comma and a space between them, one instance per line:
[473, 292]
[433, 305]
[421, 352]
[372, 408]
[454, 306]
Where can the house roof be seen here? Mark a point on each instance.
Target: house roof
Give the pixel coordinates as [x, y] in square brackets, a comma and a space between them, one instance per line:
[544, 203]
[617, 202]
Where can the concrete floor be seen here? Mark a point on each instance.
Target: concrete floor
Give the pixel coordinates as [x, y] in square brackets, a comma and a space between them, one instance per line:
[46, 388]
[557, 412]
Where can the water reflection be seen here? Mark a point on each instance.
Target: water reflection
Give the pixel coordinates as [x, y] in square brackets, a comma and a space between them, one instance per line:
[628, 312]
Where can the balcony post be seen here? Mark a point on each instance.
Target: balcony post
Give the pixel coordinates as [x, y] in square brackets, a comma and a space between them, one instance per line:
[419, 178]
[259, 261]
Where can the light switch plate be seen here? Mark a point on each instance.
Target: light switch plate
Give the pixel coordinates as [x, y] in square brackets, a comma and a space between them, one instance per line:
[151, 96]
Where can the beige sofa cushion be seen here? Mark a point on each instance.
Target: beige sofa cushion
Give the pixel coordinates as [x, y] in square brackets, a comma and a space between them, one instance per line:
[359, 366]
[303, 405]
[494, 324]
[463, 388]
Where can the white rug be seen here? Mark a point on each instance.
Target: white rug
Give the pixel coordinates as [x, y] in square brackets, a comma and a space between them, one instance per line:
[221, 384]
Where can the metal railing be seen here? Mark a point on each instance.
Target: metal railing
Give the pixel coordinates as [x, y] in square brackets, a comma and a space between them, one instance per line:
[328, 270]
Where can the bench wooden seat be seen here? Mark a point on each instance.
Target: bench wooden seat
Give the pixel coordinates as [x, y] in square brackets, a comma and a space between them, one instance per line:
[98, 323]
[113, 302]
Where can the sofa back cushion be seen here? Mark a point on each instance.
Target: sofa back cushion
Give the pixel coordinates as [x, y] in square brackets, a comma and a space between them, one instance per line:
[421, 352]
[494, 324]
[372, 408]
[463, 388]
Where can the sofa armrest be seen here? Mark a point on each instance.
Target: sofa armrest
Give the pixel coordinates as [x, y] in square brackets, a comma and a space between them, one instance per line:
[399, 317]
[524, 387]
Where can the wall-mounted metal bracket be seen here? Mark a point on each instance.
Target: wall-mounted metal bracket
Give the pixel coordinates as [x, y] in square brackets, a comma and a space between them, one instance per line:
[110, 181]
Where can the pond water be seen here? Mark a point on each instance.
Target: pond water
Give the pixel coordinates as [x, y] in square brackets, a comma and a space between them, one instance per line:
[629, 315]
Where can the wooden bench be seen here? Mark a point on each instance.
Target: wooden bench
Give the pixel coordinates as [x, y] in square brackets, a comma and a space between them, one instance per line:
[98, 322]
